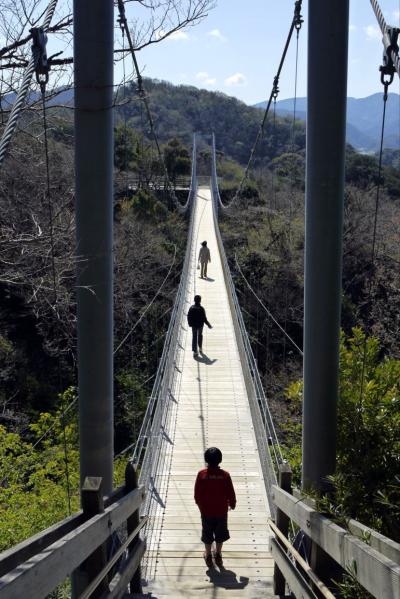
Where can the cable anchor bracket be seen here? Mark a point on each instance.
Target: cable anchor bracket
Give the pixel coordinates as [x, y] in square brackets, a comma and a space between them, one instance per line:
[387, 69]
[42, 66]
[297, 18]
[275, 88]
[122, 22]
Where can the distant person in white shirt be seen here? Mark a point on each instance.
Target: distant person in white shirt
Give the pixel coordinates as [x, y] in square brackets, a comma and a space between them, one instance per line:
[204, 259]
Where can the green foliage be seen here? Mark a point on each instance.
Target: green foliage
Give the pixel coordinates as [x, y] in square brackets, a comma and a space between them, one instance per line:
[362, 170]
[6, 347]
[391, 181]
[368, 425]
[177, 159]
[126, 147]
[366, 482]
[391, 157]
[230, 172]
[34, 493]
[34, 489]
[134, 153]
[146, 206]
[187, 109]
[290, 166]
[349, 587]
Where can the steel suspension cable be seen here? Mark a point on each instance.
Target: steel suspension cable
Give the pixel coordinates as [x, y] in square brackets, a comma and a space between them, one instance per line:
[53, 270]
[23, 91]
[274, 149]
[291, 194]
[374, 233]
[124, 23]
[389, 42]
[295, 24]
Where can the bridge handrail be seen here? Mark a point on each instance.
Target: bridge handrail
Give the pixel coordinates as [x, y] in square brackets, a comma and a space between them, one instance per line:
[146, 452]
[267, 439]
[377, 571]
[266, 436]
[36, 566]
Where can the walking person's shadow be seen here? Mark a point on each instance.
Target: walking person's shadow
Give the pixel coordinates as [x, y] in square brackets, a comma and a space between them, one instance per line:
[227, 579]
[205, 359]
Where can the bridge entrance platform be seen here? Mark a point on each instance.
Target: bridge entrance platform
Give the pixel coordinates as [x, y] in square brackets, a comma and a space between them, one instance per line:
[210, 408]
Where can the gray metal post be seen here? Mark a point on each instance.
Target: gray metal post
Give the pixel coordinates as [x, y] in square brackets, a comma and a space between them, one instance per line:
[93, 63]
[326, 124]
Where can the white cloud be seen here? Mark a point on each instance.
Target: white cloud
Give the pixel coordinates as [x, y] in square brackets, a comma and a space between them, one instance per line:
[178, 36]
[236, 79]
[205, 78]
[352, 27]
[373, 32]
[217, 35]
[396, 15]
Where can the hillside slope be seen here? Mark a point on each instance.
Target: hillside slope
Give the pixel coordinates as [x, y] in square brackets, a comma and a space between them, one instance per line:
[363, 119]
[181, 109]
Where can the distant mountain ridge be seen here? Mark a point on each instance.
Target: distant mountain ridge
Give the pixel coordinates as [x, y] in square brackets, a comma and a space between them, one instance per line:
[364, 117]
[180, 110]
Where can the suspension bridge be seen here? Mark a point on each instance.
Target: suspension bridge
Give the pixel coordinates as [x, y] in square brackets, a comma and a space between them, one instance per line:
[143, 539]
[209, 407]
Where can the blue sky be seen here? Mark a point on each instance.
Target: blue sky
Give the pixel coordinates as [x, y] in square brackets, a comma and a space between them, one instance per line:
[237, 48]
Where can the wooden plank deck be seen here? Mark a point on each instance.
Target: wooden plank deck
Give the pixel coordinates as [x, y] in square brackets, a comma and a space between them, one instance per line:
[210, 408]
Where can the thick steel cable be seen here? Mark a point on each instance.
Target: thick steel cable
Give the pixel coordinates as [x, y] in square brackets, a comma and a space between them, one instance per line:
[48, 197]
[23, 91]
[267, 439]
[274, 150]
[151, 421]
[373, 248]
[53, 269]
[273, 94]
[143, 97]
[291, 194]
[394, 54]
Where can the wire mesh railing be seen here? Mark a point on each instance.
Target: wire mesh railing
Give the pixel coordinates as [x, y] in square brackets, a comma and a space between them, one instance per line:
[149, 452]
[267, 440]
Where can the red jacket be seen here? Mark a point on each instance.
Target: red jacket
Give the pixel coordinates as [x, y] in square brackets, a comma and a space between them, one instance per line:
[214, 492]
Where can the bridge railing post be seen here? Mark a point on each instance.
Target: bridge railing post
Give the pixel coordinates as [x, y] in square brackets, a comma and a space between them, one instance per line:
[131, 483]
[92, 504]
[282, 522]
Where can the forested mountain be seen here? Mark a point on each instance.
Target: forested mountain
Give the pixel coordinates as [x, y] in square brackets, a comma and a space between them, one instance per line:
[181, 110]
[184, 110]
[364, 116]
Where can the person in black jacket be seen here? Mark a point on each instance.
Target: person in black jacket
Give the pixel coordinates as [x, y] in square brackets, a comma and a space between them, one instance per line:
[197, 319]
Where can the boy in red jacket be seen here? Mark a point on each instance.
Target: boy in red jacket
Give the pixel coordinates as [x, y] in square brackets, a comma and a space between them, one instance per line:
[214, 495]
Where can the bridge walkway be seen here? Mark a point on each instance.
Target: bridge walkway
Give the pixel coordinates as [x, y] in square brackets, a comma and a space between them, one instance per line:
[210, 408]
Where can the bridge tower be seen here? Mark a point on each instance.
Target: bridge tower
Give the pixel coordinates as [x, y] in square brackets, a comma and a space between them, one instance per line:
[93, 66]
[326, 128]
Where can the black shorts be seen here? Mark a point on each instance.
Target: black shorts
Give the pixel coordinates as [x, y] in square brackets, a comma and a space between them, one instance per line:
[214, 529]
